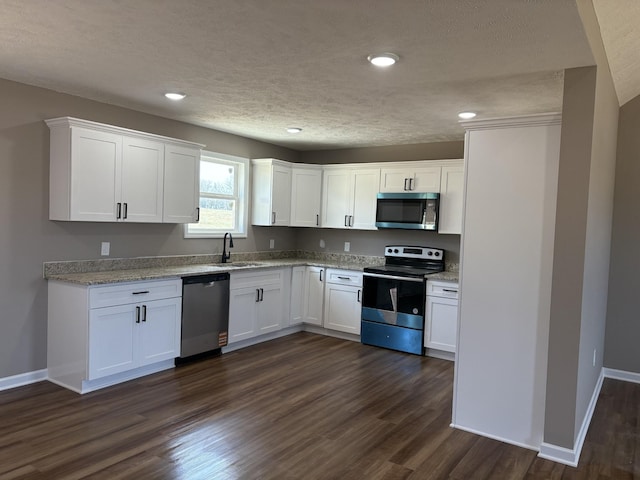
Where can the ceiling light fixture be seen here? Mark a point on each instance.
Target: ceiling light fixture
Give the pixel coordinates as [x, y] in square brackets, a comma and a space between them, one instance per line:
[175, 96]
[383, 59]
[466, 115]
[294, 129]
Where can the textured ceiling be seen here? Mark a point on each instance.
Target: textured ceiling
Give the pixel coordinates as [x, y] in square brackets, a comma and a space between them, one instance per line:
[254, 67]
[619, 26]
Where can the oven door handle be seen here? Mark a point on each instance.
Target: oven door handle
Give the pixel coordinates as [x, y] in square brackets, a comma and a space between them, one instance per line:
[393, 277]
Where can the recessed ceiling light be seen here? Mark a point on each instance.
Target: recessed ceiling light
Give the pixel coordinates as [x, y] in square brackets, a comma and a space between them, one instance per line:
[174, 96]
[294, 129]
[383, 59]
[466, 115]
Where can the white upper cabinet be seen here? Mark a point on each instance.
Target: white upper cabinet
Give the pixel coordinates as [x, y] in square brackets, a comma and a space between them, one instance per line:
[271, 192]
[181, 184]
[306, 184]
[102, 173]
[410, 178]
[451, 199]
[349, 197]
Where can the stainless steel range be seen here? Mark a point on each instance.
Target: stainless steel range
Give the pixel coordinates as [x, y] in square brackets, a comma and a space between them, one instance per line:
[393, 297]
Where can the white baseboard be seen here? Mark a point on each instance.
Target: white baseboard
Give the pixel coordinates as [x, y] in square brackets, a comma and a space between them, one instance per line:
[23, 379]
[569, 456]
[262, 338]
[621, 375]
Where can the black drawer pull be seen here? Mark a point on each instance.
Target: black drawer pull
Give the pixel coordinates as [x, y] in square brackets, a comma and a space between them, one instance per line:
[141, 292]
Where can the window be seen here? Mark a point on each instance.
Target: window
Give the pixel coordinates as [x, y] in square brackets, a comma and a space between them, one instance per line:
[223, 197]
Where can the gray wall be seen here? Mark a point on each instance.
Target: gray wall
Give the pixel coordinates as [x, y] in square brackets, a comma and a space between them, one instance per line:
[623, 319]
[582, 241]
[28, 238]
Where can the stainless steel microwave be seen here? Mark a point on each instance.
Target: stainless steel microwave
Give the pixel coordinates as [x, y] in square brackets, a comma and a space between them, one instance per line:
[410, 210]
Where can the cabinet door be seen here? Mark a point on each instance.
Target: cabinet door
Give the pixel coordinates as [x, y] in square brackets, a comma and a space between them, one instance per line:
[96, 173]
[451, 199]
[343, 308]
[269, 318]
[365, 189]
[112, 340]
[297, 295]
[426, 179]
[281, 195]
[314, 295]
[243, 304]
[305, 197]
[442, 323]
[142, 180]
[181, 184]
[395, 179]
[336, 198]
[159, 330]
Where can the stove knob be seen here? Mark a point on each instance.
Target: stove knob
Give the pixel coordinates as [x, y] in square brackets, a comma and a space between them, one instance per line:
[430, 253]
[395, 250]
[389, 250]
[437, 254]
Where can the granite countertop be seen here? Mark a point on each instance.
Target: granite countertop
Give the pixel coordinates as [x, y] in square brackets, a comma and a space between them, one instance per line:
[99, 272]
[445, 276]
[177, 271]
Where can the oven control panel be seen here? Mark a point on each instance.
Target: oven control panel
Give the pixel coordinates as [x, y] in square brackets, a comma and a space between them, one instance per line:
[407, 251]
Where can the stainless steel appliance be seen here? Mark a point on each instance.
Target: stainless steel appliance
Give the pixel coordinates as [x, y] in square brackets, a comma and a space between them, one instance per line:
[205, 313]
[408, 210]
[393, 297]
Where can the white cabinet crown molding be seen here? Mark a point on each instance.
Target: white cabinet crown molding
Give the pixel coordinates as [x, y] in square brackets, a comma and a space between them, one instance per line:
[511, 122]
[77, 122]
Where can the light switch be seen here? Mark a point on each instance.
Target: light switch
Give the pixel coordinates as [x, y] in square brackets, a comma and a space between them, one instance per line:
[347, 246]
[104, 249]
[272, 243]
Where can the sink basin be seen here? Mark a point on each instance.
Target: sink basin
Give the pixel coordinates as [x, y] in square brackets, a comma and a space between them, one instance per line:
[240, 264]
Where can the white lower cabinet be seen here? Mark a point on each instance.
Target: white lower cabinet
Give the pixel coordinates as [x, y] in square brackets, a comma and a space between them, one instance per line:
[101, 335]
[314, 295]
[255, 304]
[441, 316]
[343, 300]
[297, 299]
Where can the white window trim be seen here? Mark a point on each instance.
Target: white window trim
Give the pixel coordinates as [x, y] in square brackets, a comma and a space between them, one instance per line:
[243, 203]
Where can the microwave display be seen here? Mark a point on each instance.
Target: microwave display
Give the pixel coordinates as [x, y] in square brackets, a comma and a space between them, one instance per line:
[417, 211]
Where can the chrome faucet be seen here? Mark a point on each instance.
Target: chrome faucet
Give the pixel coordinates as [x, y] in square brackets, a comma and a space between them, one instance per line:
[226, 255]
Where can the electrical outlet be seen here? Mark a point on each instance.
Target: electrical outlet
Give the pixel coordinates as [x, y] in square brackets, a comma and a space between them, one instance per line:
[347, 246]
[104, 249]
[272, 243]
[321, 243]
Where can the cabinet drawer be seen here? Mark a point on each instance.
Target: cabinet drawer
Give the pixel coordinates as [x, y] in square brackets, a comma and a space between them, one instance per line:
[124, 293]
[442, 289]
[344, 277]
[255, 279]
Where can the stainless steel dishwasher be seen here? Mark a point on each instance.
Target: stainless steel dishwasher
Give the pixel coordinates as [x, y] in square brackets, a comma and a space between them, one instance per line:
[205, 314]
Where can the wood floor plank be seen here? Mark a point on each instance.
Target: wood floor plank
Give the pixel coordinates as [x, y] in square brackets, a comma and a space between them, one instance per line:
[300, 407]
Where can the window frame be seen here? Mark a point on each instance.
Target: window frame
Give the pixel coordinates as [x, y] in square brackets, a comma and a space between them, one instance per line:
[241, 165]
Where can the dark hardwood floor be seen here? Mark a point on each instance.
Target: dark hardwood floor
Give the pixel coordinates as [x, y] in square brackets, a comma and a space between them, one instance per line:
[300, 407]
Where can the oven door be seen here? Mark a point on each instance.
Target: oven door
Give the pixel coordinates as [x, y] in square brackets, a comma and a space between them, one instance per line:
[393, 300]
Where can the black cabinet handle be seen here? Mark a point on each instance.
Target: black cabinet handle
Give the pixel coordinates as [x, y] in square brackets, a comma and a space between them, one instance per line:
[144, 313]
[141, 292]
[359, 293]
[351, 220]
[321, 270]
[137, 314]
[273, 218]
[345, 220]
[262, 294]
[197, 214]
[411, 184]
[257, 295]
[119, 209]
[405, 184]
[344, 278]
[124, 215]
[317, 220]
